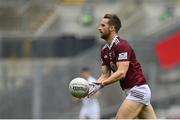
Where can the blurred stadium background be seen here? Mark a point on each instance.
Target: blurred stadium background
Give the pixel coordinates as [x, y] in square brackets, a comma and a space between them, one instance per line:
[44, 44]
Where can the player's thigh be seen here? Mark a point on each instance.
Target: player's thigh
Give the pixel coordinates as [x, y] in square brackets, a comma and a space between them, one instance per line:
[147, 113]
[129, 109]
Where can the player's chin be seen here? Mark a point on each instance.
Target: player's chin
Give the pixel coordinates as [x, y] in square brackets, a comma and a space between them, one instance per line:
[103, 36]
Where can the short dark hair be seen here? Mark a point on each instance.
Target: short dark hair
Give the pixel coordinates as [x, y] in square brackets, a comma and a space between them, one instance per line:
[114, 20]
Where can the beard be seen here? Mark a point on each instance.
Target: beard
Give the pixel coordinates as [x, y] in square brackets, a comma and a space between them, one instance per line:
[105, 36]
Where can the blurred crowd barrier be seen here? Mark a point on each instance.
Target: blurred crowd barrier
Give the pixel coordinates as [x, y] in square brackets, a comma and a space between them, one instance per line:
[44, 47]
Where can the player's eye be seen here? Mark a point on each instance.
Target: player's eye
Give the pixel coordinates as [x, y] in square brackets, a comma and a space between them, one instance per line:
[102, 25]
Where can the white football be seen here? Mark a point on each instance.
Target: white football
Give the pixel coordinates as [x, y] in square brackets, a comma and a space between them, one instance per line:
[78, 87]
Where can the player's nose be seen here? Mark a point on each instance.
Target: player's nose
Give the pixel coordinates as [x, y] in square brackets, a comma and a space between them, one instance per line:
[100, 30]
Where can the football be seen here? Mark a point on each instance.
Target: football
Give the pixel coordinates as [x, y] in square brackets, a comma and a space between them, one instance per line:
[79, 87]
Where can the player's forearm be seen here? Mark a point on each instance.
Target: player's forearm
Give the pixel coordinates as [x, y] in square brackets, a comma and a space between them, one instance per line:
[118, 75]
[102, 77]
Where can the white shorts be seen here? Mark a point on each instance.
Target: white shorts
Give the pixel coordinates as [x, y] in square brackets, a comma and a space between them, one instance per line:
[140, 94]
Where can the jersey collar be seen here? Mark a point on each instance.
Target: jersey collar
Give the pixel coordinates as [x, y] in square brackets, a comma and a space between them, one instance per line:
[113, 41]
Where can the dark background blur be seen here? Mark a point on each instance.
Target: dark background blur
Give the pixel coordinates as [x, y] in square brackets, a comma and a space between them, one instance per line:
[45, 43]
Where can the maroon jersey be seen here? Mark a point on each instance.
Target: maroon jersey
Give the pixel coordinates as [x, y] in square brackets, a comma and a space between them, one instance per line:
[119, 50]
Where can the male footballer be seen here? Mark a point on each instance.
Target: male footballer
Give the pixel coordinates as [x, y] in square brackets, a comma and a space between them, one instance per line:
[119, 63]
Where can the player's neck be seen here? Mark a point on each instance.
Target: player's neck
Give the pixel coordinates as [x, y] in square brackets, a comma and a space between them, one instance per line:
[110, 38]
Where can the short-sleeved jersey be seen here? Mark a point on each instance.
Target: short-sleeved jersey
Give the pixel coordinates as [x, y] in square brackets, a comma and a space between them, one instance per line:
[120, 50]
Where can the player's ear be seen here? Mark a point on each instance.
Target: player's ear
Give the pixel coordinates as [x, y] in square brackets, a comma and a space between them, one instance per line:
[111, 28]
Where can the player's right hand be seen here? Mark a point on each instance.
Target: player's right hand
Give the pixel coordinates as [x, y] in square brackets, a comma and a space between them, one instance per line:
[94, 87]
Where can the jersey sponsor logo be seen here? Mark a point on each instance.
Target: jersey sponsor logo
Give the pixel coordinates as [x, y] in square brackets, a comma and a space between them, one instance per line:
[122, 56]
[110, 54]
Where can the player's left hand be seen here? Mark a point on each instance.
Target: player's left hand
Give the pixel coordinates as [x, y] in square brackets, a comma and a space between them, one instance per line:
[95, 86]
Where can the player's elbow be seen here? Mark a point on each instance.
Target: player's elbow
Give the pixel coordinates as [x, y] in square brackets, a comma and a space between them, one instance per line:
[122, 74]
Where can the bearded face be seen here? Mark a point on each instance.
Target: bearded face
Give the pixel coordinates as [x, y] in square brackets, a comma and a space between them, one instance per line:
[104, 29]
[105, 35]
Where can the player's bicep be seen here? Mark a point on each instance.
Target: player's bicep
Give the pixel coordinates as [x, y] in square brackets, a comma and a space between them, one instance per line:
[123, 67]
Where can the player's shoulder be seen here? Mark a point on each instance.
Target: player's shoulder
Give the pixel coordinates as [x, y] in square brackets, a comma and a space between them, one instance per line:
[122, 41]
[116, 41]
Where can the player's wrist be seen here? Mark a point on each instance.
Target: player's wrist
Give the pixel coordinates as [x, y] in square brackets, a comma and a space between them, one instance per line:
[102, 84]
